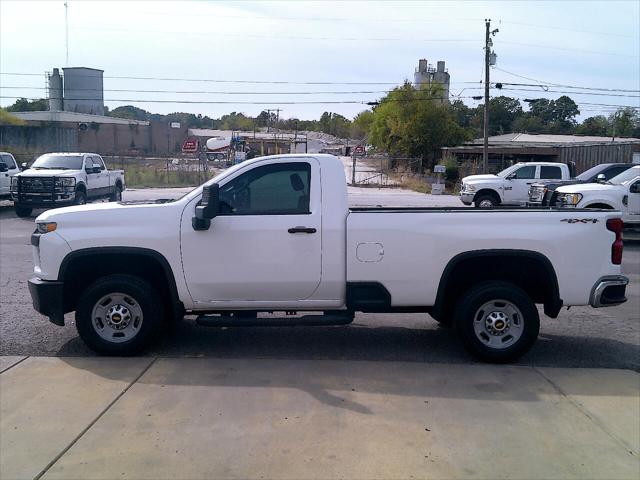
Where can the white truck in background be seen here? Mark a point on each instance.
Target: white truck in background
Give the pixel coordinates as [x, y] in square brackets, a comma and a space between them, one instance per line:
[511, 185]
[8, 168]
[275, 234]
[621, 193]
[58, 179]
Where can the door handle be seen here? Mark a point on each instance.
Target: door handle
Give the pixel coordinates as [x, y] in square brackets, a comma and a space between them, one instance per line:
[301, 230]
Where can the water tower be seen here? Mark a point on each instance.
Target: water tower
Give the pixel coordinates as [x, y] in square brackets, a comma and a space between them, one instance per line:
[55, 91]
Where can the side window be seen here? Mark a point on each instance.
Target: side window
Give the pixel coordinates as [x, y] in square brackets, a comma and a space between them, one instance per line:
[612, 172]
[97, 162]
[8, 161]
[548, 172]
[526, 172]
[278, 189]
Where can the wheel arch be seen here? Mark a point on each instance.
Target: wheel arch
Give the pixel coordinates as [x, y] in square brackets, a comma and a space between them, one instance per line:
[82, 267]
[488, 191]
[601, 205]
[468, 268]
[81, 186]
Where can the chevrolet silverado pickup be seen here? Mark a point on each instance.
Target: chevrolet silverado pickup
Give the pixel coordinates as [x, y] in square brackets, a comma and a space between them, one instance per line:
[511, 185]
[275, 234]
[57, 179]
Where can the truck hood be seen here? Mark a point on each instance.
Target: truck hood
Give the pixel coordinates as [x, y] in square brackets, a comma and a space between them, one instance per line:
[45, 173]
[104, 213]
[481, 178]
[587, 187]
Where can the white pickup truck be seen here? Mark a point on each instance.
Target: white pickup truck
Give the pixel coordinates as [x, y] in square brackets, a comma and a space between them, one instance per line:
[275, 234]
[511, 185]
[57, 179]
[621, 193]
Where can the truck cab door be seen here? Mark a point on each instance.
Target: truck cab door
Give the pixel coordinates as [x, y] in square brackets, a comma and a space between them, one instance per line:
[266, 243]
[101, 186]
[633, 202]
[516, 185]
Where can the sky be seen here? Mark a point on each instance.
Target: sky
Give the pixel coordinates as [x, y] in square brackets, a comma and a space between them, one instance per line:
[210, 52]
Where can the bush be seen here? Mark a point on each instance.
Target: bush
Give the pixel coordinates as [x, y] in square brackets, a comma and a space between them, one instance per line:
[452, 172]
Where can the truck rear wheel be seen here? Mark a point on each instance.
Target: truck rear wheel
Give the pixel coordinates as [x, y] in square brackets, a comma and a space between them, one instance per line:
[116, 196]
[119, 315]
[22, 211]
[496, 321]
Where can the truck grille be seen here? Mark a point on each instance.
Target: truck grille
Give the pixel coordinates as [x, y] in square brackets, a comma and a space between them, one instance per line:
[35, 184]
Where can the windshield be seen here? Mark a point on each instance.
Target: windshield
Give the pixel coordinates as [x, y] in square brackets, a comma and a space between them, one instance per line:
[625, 176]
[58, 162]
[589, 174]
[508, 170]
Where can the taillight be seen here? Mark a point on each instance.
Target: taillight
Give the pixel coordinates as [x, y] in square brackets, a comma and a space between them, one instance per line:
[616, 225]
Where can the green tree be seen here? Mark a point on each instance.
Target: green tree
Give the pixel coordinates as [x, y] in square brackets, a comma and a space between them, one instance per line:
[598, 126]
[503, 112]
[129, 112]
[24, 105]
[361, 124]
[410, 122]
[625, 123]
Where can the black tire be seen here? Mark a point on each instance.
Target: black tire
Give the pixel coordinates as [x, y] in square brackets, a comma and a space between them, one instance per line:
[22, 212]
[481, 201]
[116, 196]
[81, 198]
[144, 296]
[527, 321]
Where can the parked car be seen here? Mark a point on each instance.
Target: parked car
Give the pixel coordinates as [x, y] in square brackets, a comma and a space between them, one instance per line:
[511, 185]
[8, 168]
[540, 194]
[58, 179]
[621, 193]
[276, 234]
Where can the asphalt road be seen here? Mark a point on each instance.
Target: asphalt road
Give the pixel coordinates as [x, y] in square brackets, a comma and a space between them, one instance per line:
[580, 337]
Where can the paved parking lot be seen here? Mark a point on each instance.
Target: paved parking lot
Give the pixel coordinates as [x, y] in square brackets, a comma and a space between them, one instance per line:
[582, 336]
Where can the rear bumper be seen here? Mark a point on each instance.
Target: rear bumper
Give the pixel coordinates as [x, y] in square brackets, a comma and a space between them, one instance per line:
[609, 291]
[47, 299]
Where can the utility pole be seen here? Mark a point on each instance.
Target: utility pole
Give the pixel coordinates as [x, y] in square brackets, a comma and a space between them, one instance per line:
[489, 59]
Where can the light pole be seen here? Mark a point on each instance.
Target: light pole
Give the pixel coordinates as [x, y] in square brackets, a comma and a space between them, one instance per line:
[489, 59]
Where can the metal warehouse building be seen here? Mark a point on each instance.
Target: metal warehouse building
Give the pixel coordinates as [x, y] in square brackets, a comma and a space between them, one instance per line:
[584, 151]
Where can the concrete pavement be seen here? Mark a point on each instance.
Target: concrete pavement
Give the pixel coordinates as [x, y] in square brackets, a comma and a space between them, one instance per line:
[193, 418]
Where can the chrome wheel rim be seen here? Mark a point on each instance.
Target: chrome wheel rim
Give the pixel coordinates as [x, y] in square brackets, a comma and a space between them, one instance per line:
[498, 324]
[81, 200]
[485, 204]
[117, 317]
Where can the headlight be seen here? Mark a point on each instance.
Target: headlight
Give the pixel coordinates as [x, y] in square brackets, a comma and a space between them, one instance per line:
[46, 227]
[65, 182]
[468, 188]
[568, 199]
[14, 183]
[537, 193]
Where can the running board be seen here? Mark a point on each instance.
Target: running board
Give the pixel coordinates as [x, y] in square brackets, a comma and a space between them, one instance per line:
[306, 320]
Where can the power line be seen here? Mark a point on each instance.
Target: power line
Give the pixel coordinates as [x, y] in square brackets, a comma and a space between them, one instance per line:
[541, 85]
[570, 92]
[561, 85]
[553, 27]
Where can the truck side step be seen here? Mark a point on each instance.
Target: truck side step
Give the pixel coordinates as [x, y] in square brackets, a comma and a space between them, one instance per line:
[332, 318]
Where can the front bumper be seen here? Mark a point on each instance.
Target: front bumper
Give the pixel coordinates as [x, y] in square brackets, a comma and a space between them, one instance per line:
[609, 291]
[38, 200]
[467, 197]
[48, 299]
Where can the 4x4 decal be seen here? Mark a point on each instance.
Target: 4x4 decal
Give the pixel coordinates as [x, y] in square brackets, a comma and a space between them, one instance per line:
[580, 220]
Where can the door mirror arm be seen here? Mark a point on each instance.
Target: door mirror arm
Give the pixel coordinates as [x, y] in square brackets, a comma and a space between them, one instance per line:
[209, 207]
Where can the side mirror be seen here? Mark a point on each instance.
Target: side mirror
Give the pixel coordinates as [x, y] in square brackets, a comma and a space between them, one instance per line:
[601, 178]
[97, 169]
[209, 207]
[23, 166]
[3, 167]
[635, 188]
[511, 176]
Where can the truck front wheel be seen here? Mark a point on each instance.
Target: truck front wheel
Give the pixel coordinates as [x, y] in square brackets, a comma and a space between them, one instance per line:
[81, 198]
[22, 211]
[116, 196]
[119, 315]
[497, 321]
[485, 201]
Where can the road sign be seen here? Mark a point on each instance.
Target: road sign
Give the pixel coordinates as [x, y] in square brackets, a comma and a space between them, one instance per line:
[358, 150]
[439, 169]
[190, 146]
[175, 124]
